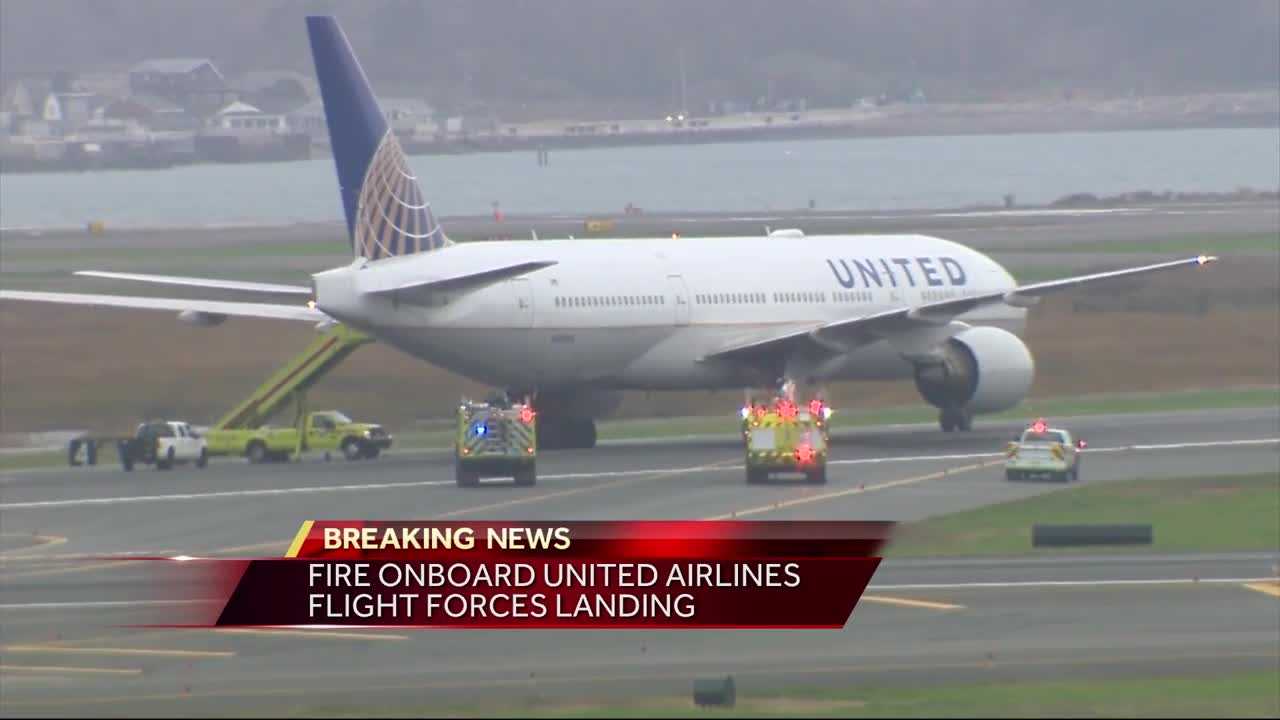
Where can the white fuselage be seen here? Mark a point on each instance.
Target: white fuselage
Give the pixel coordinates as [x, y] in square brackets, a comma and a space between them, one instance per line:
[643, 314]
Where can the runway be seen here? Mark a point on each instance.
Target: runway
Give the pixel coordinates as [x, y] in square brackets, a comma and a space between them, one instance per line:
[925, 620]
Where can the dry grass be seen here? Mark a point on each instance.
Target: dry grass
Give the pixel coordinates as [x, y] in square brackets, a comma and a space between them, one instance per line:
[63, 367]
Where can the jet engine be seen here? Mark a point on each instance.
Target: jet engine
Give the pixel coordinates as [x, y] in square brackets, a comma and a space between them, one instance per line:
[981, 370]
[201, 319]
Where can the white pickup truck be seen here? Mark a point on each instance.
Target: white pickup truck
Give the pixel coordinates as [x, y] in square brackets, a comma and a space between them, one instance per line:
[164, 443]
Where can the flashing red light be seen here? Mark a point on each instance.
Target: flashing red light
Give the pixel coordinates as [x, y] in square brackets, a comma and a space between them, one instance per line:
[815, 408]
[786, 409]
[761, 411]
[526, 415]
[1082, 444]
[1039, 426]
[804, 454]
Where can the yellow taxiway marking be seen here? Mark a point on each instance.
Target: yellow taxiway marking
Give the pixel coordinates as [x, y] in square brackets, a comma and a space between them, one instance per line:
[325, 634]
[139, 652]
[42, 542]
[908, 602]
[69, 670]
[1270, 588]
[572, 678]
[759, 510]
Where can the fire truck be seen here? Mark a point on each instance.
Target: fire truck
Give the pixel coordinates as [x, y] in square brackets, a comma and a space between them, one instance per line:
[785, 437]
[496, 438]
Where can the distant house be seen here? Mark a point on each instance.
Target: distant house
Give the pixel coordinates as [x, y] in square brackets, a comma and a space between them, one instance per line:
[154, 113]
[243, 117]
[22, 98]
[193, 83]
[276, 91]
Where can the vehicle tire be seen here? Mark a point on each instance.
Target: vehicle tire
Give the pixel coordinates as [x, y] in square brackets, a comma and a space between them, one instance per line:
[817, 476]
[371, 452]
[256, 452]
[203, 460]
[527, 476]
[352, 449]
[465, 477]
[165, 463]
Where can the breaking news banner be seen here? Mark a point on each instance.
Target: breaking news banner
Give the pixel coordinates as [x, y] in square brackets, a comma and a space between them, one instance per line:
[600, 574]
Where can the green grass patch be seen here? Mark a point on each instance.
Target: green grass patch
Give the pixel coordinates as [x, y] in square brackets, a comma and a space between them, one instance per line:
[1235, 694]
[440, 435]
[1195, 514]
[1227, 243]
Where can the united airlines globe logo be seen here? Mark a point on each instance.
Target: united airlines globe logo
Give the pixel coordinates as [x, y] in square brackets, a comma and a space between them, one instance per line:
[392, 217]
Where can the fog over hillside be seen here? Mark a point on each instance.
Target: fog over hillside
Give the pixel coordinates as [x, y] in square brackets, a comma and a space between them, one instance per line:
[512, 51]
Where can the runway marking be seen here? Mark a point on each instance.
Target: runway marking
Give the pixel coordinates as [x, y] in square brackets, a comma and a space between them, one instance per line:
[41, 542]
[326, 634]
[850, 491]
[909, 602]
[141, 652]
[99, 604]
[1271, 588]
[649, 475]
[314, 489]
[570, 677]
[63, 670]
[1014, 584]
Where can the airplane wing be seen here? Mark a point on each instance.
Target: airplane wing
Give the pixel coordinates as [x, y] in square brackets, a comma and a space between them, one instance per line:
[847, 335]
[211, 307]
[446, 279]
[210, 283]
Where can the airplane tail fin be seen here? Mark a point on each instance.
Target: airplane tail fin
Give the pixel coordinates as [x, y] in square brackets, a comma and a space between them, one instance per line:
[385, 209]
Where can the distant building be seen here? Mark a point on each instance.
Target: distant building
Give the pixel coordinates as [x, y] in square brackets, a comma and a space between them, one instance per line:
[154, 113]
[404, 115]
[193, 83]
[241, 116]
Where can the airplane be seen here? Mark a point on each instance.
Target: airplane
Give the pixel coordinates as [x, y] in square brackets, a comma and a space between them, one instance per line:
[573, 323]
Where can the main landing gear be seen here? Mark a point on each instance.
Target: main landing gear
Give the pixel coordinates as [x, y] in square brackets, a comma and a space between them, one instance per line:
[951, 419]
[567, 433]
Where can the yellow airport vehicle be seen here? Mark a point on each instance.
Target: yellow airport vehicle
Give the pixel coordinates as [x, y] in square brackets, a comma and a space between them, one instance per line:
[1043, 451]
[785, 437]
[496, 439]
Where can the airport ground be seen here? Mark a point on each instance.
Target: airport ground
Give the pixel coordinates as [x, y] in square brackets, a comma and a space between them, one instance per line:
[72, 368]
[926, 621]
[1200, 617]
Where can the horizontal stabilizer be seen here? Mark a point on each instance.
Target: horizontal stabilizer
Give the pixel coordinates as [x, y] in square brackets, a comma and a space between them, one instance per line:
[210, 307]
[209, 283]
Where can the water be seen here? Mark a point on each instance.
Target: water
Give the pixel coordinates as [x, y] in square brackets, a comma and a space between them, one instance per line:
[846, 174]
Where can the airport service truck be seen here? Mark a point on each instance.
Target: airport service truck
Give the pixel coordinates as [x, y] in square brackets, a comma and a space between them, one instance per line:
[327, 430]
[783, 437]
[163, 443]
[496, 439]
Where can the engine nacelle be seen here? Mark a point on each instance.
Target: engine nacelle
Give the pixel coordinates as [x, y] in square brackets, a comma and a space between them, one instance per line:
[201, 319]
[983, 370]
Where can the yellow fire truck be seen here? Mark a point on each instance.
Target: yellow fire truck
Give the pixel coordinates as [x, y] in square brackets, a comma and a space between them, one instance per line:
[497, 438]
[785, 437]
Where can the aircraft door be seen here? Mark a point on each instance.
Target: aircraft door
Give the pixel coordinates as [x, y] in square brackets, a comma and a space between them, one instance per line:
[678, 294]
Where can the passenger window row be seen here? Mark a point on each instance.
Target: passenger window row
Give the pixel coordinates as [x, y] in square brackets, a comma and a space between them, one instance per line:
[591, 301]
[855, 296]
[731, 299]
[800, 297]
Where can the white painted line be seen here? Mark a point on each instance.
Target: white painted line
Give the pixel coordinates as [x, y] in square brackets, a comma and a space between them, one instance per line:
[261, 492]
[1067, 583]
[99, 604]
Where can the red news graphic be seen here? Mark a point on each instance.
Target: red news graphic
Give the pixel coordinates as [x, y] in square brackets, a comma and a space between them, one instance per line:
[643, 574]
